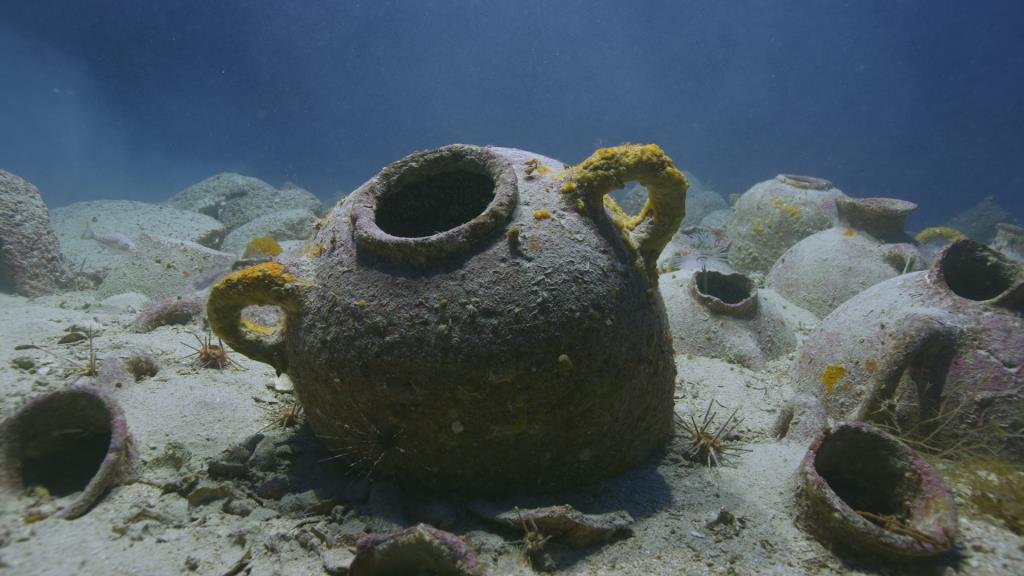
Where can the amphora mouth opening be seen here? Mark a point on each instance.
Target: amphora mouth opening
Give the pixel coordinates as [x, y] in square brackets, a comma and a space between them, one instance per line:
[864, 490]
[435, 203]
[70, 441]
[730, 294]
[976, 272]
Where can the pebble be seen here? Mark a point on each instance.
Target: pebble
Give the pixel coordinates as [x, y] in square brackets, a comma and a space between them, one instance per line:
[274, 488]
[23, 363]
[238, 507]
[337, 561]
[283, 383]
[264, 457]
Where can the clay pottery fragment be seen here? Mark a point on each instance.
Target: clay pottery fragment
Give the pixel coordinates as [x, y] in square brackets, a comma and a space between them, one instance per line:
[775, 214]
[562, 524]
[867, 246]
[421, 549]
[73, 442]
[935, 355]
[864, 491]
[884, 219]
[477, 319]
[725, 316]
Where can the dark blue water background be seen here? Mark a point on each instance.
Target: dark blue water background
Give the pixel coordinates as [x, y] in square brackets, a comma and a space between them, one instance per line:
[137, 99]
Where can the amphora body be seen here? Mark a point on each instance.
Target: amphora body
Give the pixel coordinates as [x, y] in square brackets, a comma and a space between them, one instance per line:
[478, 319]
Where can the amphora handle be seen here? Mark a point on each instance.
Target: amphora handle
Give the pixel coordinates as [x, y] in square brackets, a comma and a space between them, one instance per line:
[609, 169]
[266, 284]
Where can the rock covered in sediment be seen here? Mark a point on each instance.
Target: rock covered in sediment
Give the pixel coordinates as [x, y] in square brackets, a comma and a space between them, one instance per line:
[30, 257]
[87, 231]
[235, 199]
[161, 267]
[281, 226]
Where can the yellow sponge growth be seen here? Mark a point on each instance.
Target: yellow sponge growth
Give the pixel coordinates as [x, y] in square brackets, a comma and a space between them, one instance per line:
[609, 169]
[832, 375]
[938, 233]
[262, 247]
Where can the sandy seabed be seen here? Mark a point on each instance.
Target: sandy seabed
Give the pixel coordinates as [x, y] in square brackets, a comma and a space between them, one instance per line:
[186, 417]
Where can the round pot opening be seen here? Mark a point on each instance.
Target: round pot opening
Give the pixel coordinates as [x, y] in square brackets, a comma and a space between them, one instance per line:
[976, 272]
[434, 203]
[61, 442]
[732, 289]
[866, 471]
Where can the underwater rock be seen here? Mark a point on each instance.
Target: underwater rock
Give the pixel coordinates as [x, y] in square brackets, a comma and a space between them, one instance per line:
[448, 339]
[725, 316]
[234, 199]
[935, 355]
[337, 561]
[421, 549]
[979, 221]
[30, 258]
[1010, 241]
[829, 267]
[82, 227]
[73, 443]
[168, 311]
[163, 267]
[287, 225]
[775, 214]
[864, 491]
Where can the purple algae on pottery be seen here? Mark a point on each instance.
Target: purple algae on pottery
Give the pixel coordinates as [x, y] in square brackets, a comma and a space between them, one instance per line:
[862, 490]
[73, 442]
[477, 319]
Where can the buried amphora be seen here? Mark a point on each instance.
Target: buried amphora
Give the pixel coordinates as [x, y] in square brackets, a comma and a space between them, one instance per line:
[478, 319]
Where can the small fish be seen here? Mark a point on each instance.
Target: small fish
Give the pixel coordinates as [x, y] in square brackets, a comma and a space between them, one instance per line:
[112, 240]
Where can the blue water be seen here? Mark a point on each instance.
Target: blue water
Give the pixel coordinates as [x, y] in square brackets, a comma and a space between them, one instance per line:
[138, 99]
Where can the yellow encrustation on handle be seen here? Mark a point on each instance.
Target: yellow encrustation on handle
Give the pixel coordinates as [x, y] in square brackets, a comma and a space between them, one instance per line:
[266, 284]
[609, 169]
